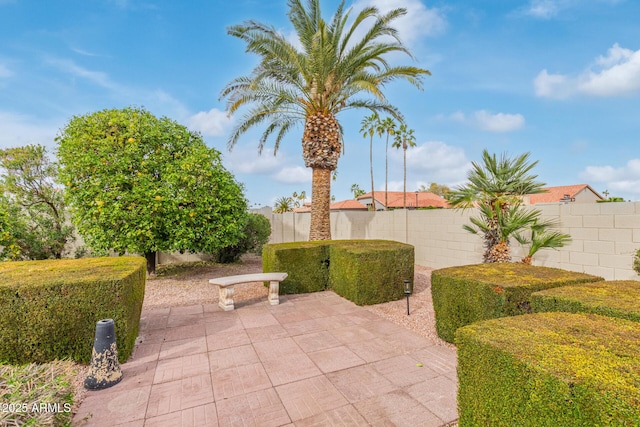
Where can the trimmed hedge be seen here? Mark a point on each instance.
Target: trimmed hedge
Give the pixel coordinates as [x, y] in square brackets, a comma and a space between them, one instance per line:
[618, 298]
[549, 369]
[306, 264]
[372, 271]
[49, 309]
[363, 271]
[470, 293]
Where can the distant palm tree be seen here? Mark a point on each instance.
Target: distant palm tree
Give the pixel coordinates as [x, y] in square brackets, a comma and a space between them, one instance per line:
[357, 191]
[386, 126]
[369, 126]
[404, 139]
[283, 204]
[312, 84]
[496, 187]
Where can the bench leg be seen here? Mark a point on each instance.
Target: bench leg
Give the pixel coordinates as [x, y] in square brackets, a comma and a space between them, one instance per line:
[226, 298]
[274, 288]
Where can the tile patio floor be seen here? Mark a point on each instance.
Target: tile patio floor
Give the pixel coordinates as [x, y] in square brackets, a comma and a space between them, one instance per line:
[314, 360]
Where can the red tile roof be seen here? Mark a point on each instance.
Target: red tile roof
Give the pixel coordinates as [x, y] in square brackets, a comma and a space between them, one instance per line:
[348, 205]
[396, 199]
[557, 194]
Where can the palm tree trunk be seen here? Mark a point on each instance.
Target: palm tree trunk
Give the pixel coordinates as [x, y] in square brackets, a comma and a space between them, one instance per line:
[373, 198]
[404, 204]
[320, 228]
[386, 173]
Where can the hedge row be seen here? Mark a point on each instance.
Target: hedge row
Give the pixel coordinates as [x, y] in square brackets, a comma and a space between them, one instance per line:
[618, 298]
[362, 271]
[466, 294]
[49, 309]
[549, 369]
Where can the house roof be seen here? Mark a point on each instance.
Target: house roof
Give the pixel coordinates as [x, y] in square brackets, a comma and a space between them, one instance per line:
[395, 199]
[557, 194]
[348, 205]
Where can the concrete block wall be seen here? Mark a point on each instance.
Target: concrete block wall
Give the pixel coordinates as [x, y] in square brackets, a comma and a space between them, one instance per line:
[605, 236]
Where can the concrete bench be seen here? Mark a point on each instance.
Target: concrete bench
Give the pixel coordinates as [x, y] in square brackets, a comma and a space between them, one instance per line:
[225, 285]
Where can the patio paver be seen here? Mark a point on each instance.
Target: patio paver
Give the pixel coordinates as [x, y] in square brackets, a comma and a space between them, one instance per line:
[314, 360]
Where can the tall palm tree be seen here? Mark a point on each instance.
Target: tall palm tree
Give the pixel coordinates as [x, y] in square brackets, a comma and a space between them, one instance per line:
[496, 187]
[334, 70]
[369, 125]
[386, 126]
[404, 139]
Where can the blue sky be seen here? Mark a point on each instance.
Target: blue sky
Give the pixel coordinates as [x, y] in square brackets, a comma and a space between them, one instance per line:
[557, 78]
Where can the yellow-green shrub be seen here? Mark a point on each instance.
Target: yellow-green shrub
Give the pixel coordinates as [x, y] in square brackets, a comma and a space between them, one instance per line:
[618, 298]
[549, 369]
[370, 271]
[49, 309]
[469, 293]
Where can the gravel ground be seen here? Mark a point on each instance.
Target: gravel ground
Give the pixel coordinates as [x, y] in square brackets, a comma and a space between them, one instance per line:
[178, 287]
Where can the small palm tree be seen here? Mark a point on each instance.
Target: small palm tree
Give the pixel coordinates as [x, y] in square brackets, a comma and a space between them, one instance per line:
[541, 237]
[369, 125]
[496, 187]
[404, 139]
[283, 204]
[328, 74]
[388, 127]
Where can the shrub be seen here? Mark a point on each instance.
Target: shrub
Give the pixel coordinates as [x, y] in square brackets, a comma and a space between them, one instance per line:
[467, 294]
[370, 271]
[255, 234]
[306, 263]
[636, 261]
[620, 298]
[49, 309]
[549, 369]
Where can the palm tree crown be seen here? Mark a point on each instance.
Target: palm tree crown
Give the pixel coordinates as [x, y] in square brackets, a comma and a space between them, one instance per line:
[328, 74]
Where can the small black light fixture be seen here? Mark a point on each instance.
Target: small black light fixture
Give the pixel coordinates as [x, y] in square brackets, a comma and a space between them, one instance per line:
[407, 292]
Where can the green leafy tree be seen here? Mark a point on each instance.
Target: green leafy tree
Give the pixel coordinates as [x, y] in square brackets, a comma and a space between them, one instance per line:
[435, 188]
[496, 187]
[340, 65]
[386, 127]
[256, 233]
[369, 125]
[404, 139]
[34, 208]
[140, 184]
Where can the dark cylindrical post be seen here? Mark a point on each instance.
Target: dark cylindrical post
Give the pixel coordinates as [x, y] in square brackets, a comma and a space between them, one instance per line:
[105, 369]
[407, 292]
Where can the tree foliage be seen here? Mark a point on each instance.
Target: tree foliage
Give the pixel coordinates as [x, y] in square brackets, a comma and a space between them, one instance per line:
[33, 222]
[256, 233]
[341, 64]
[140, 184]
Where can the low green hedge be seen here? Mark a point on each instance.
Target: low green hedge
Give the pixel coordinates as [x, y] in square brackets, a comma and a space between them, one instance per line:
[306, 264]
[549, 369]
[372, 271]
[363, 271]
[618, 298]
[469, 293]
[49, 309]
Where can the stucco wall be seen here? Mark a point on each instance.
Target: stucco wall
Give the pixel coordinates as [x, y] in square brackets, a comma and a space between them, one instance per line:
[605, 235]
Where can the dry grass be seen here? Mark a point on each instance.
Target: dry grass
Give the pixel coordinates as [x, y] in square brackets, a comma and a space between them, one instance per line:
[40, 394]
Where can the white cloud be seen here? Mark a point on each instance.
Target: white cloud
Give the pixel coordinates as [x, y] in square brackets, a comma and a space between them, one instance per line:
[499, 122]
[544, 9]
[70, 67]
[294, 175]
[433, 161]
[490, 122]
[211, 123]
[621, 181]
[246, 160]
[614, 74]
